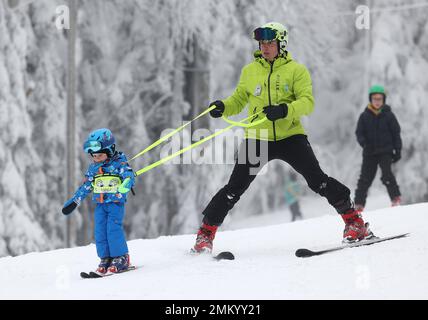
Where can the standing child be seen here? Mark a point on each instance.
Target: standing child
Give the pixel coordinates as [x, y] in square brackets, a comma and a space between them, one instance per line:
[378, 133]
[110, 178]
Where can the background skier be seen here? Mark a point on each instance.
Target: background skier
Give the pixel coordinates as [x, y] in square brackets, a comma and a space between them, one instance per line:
[292, 195]
[282, 88]
[110, 178]
[378, 133]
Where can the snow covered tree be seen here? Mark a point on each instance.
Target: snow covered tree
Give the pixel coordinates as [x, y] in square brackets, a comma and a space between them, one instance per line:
[133, 63]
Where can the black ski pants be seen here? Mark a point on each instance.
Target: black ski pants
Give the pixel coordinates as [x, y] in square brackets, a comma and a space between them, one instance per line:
[294, 150]
[368, 173]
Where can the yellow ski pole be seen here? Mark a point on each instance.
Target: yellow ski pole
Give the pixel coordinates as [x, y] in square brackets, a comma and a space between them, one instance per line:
[181, 151]
[166, 137]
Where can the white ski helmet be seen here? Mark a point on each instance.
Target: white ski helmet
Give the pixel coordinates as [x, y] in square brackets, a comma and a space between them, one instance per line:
[273, 31]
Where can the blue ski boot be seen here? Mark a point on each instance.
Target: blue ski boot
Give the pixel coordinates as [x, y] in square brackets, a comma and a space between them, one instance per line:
[120, 264]
[103, 266]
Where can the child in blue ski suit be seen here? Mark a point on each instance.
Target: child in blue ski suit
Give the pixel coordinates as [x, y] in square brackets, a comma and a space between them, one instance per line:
[110, 178]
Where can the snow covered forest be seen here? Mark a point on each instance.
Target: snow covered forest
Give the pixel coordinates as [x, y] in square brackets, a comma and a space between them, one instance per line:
[144, 66]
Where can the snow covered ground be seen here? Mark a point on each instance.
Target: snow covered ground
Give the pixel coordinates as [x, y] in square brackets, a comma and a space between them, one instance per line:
[265, 265]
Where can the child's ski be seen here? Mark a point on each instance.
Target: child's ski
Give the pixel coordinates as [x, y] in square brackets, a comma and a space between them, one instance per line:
[305, 253]
[94, 275]
[85, 275]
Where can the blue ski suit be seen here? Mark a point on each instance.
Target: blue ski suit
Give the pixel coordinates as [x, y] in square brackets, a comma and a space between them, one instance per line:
[103, 179]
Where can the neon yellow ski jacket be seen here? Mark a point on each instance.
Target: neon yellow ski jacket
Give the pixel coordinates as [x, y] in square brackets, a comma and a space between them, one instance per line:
[262, 84]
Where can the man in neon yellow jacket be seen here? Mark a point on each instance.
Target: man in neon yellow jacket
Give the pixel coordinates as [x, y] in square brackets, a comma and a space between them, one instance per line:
[278, 88]
[290, 85]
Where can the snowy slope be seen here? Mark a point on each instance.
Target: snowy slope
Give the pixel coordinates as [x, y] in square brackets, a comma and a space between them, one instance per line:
[265, 265]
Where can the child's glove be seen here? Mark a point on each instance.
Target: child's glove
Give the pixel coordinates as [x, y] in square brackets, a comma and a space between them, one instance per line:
[69, 206]
[125, 187]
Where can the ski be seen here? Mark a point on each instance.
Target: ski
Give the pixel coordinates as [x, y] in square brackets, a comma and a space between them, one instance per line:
[305, 253]
[225, 255]
[94, 275]
[85, 275]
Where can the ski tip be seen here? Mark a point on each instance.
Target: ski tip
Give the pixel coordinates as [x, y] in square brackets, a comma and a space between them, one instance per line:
[95, 275]
[304, 253]
[225, 255]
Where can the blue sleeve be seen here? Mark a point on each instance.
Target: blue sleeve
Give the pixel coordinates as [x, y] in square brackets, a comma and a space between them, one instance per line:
[85, 188]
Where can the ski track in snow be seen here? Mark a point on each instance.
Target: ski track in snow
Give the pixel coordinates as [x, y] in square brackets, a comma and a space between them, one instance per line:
[265, 265]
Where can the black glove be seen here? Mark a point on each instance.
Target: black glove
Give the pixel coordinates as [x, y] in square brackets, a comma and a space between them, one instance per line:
[69, 206]
[276, 112]
[396, 155]
[218, 111]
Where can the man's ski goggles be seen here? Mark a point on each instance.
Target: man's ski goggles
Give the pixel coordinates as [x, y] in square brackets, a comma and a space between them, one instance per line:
[261, 34]
[92, 146]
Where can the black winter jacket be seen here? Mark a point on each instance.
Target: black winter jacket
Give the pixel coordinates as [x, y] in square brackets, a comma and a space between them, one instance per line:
[378, 134]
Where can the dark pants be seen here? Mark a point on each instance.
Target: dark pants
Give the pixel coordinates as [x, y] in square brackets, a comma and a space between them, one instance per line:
[368, 173]
[297, 152]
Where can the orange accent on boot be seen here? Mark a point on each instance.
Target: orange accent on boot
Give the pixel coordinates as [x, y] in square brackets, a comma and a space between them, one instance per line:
[101, 270]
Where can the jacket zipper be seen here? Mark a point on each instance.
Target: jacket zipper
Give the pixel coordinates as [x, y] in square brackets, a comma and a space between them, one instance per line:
[270, 99]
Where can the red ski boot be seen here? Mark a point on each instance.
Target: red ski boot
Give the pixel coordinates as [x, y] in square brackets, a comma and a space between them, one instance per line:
[359, 208]
[204, 239]
[396, 201]
[355, 228]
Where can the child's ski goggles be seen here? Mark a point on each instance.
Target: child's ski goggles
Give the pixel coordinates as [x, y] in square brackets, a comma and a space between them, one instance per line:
[92, 146]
